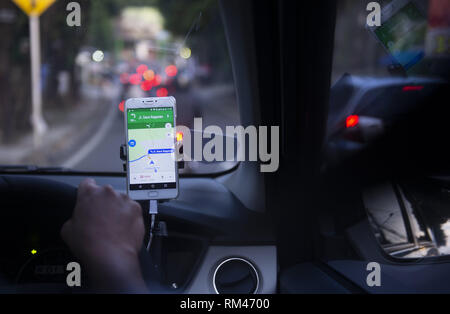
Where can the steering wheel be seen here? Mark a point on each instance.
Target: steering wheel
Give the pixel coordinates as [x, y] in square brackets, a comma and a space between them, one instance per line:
[33, 258]
[32, 213]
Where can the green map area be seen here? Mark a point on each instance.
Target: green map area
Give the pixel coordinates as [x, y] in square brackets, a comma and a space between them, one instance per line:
[150, 118]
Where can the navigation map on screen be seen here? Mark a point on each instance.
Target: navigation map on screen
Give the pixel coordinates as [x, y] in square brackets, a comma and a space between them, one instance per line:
[151, 148]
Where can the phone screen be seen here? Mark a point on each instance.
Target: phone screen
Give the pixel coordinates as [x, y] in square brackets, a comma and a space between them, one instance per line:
[151, 149]
[403, 35]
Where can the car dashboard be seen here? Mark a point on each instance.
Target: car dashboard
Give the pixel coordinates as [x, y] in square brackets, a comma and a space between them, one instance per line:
[213, 244]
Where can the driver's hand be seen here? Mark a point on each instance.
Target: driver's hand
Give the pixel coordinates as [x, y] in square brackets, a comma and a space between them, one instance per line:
[106, 234]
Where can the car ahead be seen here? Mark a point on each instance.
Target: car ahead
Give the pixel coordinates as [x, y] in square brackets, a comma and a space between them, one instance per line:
[362, 109]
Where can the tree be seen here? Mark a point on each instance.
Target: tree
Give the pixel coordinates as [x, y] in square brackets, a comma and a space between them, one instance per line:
[14, 73]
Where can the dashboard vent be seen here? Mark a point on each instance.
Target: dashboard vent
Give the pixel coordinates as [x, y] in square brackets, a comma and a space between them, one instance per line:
[236, 276]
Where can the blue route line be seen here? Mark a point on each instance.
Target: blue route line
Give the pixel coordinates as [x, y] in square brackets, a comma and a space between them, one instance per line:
[138, 158]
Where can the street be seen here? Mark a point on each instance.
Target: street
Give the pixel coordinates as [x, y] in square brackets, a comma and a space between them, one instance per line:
[100, 150]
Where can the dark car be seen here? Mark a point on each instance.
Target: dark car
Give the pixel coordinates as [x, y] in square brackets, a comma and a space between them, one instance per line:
[363, 109]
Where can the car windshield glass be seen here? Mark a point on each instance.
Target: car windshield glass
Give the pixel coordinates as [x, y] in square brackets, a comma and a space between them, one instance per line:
[93, 56]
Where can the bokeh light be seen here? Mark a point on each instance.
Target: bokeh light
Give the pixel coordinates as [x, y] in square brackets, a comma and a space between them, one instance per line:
[135, 79]
[185, 53]
[162, 92]
[149, 75]
[146, 85]
[171, 70]
[98, 56]
[141, 69]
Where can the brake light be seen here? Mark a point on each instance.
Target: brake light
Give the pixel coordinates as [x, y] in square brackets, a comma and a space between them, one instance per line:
[352, 121]
[411, 88]
[146, 86]
[122, 106]
[171, 70]
[135, 79]
[162, 92]
[141, 69]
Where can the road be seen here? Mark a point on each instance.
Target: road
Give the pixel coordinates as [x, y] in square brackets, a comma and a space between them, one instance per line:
[100, 153]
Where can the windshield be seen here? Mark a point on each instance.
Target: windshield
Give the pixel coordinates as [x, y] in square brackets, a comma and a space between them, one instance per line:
[93, 56]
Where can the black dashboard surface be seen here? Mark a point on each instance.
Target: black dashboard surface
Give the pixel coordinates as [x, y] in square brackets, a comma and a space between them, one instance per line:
[205, 207]
[34, 207]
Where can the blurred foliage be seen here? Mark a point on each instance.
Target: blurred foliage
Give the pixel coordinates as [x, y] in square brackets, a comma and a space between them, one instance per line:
[179, 17]
[179, 14]
[60, 46]
[100, 27]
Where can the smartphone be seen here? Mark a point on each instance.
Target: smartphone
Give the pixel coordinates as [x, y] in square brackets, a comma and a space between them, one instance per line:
[152, 169]
[403, 30]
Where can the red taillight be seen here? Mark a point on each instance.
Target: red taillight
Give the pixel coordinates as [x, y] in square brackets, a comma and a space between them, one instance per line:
[411, 88]
[146, 86]
[135, 79]
[162, 92]
[141, 69]
[352, 121]
[122, 106]
[171, 70]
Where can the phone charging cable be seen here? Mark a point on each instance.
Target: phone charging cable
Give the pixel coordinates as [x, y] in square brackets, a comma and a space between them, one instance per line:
[153, 211]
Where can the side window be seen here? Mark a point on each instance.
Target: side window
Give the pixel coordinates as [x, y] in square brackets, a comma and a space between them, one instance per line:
[386, 80]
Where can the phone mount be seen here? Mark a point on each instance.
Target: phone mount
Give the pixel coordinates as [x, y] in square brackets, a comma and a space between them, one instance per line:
[156, 229]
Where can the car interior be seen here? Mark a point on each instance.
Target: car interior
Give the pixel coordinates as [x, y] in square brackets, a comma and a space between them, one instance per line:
[312, 226]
